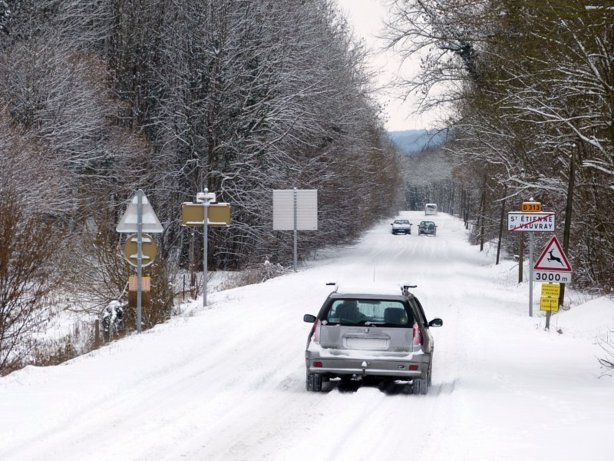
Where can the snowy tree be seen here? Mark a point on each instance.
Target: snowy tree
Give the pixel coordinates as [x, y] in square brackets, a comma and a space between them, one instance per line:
[530, 84]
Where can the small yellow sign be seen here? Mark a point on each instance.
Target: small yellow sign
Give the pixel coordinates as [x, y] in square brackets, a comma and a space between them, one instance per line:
[193, 214]
[531, 206]
[550, 297]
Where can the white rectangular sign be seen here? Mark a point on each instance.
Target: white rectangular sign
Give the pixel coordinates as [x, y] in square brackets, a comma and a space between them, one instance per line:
[306, 202]
[553, 277]
[530, 222]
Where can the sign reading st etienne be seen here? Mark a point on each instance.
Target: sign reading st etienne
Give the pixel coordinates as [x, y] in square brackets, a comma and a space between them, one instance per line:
[530, 222]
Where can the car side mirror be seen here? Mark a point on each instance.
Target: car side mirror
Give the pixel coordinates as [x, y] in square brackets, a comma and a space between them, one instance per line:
[309, 318]
[436, 323]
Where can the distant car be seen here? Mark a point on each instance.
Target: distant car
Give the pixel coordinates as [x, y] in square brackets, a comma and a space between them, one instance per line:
[430, 209]
[427, 228]
[401, 226]
[370, 333]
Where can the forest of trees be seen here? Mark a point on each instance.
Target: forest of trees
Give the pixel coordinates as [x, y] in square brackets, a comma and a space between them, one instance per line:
[529, 86]
[242, 97]
[101, 98]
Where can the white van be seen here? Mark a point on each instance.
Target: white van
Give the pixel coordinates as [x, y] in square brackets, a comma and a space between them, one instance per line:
[430, 209]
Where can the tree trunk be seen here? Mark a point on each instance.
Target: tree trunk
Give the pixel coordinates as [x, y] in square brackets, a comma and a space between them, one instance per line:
[568, 213]
[501, 224]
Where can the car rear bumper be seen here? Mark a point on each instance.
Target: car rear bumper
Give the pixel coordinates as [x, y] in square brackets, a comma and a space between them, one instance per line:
[416, 366]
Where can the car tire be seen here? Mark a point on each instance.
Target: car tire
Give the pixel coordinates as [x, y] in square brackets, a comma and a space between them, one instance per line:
[314, 382]
[420, 386]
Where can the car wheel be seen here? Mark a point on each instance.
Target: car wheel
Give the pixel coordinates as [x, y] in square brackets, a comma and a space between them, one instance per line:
[420, 386]
[314, 382]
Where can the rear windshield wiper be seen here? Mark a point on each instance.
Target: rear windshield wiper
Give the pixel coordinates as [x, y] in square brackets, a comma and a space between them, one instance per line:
[371, 323]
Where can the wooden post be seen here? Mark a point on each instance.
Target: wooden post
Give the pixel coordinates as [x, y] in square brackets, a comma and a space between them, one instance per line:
[501, 224]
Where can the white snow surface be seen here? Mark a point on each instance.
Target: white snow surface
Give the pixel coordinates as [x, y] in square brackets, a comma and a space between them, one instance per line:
[227, 382]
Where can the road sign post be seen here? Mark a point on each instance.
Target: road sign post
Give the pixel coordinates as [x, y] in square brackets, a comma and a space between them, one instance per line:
[531, 244]
[139, 217]
[549, 301]
[530, 219]
[552, 266]
[295, 209]
[205, 212]
[139, 266]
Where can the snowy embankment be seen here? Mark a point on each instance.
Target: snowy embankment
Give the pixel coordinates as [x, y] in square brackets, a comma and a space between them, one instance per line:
[226, 382]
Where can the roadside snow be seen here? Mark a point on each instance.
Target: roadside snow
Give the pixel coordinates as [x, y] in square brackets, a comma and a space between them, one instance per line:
[226, 382]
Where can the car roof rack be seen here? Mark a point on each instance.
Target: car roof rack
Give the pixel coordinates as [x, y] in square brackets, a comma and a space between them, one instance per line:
[405, 288]
[333, 284]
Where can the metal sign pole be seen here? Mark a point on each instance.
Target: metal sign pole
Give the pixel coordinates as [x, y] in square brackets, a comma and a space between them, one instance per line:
[295, 229]
[139, 256]
[205, 246]
[530, 274]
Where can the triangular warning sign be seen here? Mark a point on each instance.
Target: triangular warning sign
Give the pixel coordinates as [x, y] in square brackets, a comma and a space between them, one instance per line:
[553, 258]
[129, 221]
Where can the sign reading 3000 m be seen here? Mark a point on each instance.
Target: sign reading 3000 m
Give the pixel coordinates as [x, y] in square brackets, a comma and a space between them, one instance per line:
[530, 222]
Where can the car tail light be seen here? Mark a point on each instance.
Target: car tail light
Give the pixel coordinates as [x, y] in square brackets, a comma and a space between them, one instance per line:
[417, 335]
[316, 332]
[413, 367]
[317, 364]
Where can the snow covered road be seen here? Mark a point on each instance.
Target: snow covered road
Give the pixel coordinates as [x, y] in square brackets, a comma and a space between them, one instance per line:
[228, 382]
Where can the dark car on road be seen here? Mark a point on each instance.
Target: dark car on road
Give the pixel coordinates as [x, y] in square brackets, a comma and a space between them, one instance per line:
[427, 228]
[370, 333]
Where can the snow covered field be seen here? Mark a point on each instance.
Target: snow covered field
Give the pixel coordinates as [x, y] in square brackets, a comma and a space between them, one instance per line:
[228, 382]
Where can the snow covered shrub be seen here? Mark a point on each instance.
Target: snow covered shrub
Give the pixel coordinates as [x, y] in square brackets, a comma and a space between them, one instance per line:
[113, 319]
[29, 271]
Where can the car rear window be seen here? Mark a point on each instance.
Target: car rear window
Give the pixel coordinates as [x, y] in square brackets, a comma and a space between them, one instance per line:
[389, 313]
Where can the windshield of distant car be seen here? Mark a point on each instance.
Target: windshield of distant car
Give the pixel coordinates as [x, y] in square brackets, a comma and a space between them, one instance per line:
[375, 312]
[401, 221]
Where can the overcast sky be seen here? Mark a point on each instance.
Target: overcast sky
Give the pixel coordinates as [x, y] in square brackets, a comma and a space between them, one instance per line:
[366, 18]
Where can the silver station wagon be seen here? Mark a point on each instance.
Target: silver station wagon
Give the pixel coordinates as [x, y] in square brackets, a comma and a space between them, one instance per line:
[374, 333]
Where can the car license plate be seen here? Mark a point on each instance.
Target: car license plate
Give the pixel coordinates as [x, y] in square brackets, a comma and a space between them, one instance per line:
[366, 344]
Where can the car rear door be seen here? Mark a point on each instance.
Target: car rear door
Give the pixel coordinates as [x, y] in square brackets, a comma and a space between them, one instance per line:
[375, 331]
[427, 337]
